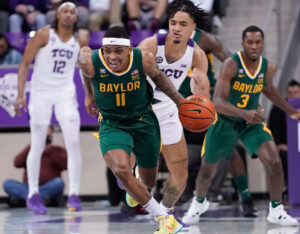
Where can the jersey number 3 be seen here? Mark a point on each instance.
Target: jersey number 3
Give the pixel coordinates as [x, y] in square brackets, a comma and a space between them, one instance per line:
[245, 99]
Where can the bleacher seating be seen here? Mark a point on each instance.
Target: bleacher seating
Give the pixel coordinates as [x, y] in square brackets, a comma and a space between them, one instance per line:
[19, 40]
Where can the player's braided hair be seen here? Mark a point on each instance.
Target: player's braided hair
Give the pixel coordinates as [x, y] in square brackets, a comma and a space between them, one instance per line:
[199, 16]
[117, 32]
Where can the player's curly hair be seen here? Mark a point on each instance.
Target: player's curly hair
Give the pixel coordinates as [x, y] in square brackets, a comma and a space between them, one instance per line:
[200, 17]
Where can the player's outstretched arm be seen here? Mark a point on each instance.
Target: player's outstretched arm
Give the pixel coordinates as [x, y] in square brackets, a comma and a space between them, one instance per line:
[39, 40]
[87, 72]
[199, 81]
[159, 78]
[273, 94]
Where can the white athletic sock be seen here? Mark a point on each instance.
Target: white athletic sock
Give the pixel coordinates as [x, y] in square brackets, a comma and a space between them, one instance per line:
[154, 208]
[33, 161]
[70, 129]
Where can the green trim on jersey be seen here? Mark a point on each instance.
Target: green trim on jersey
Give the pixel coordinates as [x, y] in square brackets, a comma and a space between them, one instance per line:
[185, 88]
[245, 87]
[124, 95]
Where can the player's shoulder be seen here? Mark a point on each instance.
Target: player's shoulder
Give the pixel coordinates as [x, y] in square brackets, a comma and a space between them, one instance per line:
[230, 62]
[198, 51]
[43, 32]
[149, 43]
[41, 37]
[272, 66]
[230, 66]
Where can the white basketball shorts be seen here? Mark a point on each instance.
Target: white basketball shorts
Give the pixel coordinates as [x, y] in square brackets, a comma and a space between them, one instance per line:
[43, 101]
[170, 126]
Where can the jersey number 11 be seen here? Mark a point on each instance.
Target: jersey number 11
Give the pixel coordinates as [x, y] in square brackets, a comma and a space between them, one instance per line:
[120, 99]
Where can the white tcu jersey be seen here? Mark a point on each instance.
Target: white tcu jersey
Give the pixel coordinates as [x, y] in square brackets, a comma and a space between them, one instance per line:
[176, 71]
[55, 63]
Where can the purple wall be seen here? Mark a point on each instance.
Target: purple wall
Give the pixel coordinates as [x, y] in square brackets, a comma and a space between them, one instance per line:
[293, 130]
[8, 95]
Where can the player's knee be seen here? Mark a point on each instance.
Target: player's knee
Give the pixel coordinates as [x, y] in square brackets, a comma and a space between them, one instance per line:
[275, 165]
[122, 172]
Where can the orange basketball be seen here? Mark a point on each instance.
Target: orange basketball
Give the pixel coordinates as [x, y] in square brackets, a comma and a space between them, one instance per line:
[197, 113]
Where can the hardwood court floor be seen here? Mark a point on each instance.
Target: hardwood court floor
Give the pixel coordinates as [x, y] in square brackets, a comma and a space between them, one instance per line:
[100, 218]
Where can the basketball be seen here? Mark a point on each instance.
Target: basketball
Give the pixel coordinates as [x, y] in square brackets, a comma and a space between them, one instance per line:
[197, 113]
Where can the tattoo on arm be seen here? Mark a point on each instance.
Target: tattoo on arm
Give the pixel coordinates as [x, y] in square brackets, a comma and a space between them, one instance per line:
[87, 80]
[164, 83]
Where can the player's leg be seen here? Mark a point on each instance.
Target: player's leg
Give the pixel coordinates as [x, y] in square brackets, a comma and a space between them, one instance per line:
[119, 163]
[174, 151]
[270, 158]
[176, 159]
[116, 155]
[218, 144]
[238, 172]
[40, 110]
[68, 117]
[258, 140]
[148, 137]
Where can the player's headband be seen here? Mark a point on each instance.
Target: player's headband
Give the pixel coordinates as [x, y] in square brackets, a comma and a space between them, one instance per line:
[115, 41]
[70, 4]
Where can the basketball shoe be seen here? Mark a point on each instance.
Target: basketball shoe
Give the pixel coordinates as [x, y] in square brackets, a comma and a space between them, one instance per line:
[36, 205]
[248, 208]
[129, 199]
[196, 209]
[168, 225]
[74, 203]
[279, 216]
[184, 225]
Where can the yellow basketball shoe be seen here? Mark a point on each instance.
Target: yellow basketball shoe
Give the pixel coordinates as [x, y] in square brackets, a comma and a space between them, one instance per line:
[129, 199]
[168, 225]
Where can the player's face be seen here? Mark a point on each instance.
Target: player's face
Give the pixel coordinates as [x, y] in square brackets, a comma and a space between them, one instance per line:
[117, 57]
[181, 25]
[293, 91]
[253, 44]
[67, 16]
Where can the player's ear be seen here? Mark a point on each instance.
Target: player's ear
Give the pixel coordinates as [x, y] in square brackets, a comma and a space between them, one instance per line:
[130, 48]
[194, 26]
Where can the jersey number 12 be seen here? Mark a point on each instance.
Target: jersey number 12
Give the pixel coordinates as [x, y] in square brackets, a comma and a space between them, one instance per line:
[58, 66]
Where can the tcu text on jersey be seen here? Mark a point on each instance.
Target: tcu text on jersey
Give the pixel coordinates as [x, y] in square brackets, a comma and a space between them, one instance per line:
[62, 53]
[175, 73]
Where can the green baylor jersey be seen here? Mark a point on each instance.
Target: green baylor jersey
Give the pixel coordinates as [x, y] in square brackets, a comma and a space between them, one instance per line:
[246, 87]
[185, 89]
[124, 95]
